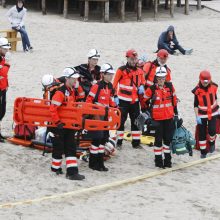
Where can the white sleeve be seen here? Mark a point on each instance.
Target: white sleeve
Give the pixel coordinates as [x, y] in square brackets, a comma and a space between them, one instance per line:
[24, 16]
[8, 14]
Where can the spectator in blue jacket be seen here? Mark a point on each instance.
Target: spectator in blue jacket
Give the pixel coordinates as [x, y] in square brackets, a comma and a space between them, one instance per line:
[169, 42]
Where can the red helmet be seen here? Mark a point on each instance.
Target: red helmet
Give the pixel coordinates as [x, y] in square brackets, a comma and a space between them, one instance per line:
[205, 76]
[131, 53]
[162, 54]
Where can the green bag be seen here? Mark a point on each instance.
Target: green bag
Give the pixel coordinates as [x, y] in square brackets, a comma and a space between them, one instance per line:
[183, 142]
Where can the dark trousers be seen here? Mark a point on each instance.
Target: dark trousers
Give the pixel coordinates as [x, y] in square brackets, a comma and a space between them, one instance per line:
[170, 49]
[64, 143]
[133, 110]
[24, 37]
[210, 124]
[164, 132]
[2, 104]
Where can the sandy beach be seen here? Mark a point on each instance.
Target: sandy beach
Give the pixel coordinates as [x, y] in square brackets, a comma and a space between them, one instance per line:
[25, 174]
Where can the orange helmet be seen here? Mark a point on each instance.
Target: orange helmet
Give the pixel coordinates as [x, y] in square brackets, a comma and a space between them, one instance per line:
[205, 76]
[131, 53]
[162, 54]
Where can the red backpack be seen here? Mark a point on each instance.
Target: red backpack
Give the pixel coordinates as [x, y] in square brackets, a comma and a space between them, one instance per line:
[26, 132]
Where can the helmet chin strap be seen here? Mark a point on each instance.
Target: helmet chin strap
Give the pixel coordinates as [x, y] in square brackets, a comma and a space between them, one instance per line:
[160, 63]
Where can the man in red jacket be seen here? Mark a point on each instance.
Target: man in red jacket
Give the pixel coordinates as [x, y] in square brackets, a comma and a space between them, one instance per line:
[63, 138]
[101, 93]
[4, 68]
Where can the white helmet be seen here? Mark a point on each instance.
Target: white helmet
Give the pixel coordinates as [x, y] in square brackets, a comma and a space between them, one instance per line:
[47, 80]
[93, 53]
[107, 68]
[4, 43]
[71, 72]
[161, 71]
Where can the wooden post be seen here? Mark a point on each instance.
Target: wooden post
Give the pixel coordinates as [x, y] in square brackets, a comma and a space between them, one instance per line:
[155, 9]
[65, 9]
[172, 8]
[166, 4]
[186, 7]
[4, 3]
[86, 11]
[135, 6]
[106, 18]
[122, 10]
[178, 3]
[139, 10]
[60, 6]
[199, 7]
[43, 5]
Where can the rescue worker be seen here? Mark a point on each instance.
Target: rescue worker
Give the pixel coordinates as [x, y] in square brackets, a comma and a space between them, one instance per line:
[129, 83]
[150, 67]
[4, 68]
[51, 84]
[90, 72]
[206, 111]
[63, 139]
[169, 42]
[163, 108]
[101, 93]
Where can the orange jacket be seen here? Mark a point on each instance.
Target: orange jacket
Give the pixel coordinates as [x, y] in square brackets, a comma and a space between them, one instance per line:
[207, 100]
[126, 83]
[104, 93]
[62, 96]
[4, 68]
[163, 101]
[150, 70]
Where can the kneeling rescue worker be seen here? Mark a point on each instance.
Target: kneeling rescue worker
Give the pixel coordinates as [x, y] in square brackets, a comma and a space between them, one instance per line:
[206, 110]
[163, 108]
[101, 93]
[63, 140]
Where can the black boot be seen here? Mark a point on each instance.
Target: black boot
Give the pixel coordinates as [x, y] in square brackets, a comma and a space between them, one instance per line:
[101, 163]
[167, 160]
[73, 174]
[119, 144]
[57, 171]
[212, 147]
[136, 144]
[203, 154]
[2, 139]
[159, 161]
[94, 162]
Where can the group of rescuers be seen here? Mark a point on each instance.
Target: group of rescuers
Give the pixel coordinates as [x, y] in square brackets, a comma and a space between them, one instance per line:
[136, 86]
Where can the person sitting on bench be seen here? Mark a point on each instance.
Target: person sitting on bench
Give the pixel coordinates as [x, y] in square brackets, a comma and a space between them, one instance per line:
[16, 16]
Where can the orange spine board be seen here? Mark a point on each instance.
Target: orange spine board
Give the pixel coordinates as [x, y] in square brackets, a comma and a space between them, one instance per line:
[75, 115]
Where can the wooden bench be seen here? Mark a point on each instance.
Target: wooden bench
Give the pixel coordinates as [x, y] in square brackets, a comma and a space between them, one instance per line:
[11, 35]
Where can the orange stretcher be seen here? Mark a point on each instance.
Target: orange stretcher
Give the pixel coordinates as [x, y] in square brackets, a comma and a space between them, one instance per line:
[75, 115]
[83, 145]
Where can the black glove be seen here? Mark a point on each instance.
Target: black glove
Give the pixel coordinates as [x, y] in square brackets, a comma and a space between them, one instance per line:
[176, 118]
[60, 125]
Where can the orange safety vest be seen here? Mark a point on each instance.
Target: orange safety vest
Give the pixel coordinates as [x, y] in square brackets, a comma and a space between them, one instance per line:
[163, 101]
[208, 106]
[128, 80]
[4, 68]
[150, 71]
[102, 93]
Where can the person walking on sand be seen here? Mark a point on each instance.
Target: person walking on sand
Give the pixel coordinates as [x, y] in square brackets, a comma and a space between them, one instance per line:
[16, 16]
[169, 42]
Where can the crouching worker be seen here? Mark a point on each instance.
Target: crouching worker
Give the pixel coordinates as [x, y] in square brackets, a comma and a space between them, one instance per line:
[101, 93]
[63, 139]
[206, 111]
[163, 108]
